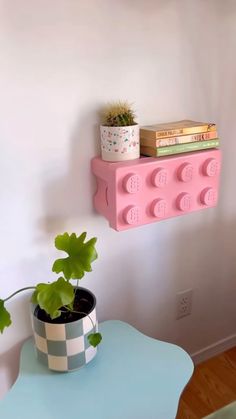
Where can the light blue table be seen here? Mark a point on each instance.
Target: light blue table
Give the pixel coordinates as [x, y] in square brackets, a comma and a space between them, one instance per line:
[132, 377]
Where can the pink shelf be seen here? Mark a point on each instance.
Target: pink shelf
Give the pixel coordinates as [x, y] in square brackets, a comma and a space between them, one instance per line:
[146, 190]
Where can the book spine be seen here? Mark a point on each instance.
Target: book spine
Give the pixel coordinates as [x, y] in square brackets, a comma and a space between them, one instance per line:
[183, 139]
[144, 133]
[180, 148]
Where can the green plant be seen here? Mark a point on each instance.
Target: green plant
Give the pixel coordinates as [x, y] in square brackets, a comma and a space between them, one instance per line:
[59, 296]
[118, 114]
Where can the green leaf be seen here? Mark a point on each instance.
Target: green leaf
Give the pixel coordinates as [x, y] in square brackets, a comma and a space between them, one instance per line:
[94, 339]
[34, 297]
[80, 255]
[51, 297]
[5, 318]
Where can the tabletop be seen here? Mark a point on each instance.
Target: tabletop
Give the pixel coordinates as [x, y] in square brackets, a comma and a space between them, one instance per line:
[133, 376]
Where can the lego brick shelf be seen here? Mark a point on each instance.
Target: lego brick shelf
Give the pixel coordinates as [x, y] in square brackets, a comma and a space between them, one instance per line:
[146, 190]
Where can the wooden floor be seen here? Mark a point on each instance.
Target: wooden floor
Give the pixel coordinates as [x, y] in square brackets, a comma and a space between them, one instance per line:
[212, 386]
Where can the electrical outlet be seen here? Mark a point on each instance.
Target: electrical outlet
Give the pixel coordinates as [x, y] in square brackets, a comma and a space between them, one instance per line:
[184, 303]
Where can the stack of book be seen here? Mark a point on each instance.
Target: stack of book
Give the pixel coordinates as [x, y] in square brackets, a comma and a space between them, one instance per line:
[177, 137]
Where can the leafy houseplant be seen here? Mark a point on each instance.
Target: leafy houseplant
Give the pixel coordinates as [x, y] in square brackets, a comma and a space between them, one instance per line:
[119, 133]
[64, 315]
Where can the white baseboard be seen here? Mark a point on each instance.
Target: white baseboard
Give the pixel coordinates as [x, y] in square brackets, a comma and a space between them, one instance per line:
[214, 349]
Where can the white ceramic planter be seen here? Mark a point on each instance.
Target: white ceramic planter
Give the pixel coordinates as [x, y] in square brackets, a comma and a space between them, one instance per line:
[65, 347]
[120, 143]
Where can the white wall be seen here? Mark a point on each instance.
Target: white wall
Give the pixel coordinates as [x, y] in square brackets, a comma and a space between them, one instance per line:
[60, 61]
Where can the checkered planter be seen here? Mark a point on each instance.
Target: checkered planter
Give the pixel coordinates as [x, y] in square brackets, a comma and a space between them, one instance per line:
[64, 347]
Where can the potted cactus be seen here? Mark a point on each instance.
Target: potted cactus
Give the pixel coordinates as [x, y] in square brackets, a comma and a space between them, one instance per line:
[119, 133]
[63, 314]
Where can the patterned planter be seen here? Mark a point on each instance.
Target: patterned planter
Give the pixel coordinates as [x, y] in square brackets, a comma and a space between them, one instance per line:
[65, 347]
[120, 143]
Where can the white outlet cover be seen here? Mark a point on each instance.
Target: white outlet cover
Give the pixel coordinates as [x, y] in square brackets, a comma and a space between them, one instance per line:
[184, 303]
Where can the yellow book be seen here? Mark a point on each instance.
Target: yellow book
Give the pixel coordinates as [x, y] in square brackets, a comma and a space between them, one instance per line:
[172, 129]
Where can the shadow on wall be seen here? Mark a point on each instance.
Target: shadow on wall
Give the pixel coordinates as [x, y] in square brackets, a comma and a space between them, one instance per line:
[9, 368]
[201, 258]
[19, 331]
[71, 196]
[147, 7]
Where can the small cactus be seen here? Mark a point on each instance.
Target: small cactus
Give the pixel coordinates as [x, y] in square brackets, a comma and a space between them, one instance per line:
[118, 114]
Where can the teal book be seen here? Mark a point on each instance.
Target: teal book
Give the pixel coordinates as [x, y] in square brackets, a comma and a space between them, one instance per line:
[179, 148]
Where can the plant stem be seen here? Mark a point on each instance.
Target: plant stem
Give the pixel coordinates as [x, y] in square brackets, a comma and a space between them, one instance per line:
[82, 312]
[17, 292]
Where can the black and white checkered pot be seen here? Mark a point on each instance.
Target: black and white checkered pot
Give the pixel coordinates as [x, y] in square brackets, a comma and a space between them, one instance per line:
[65, 347]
